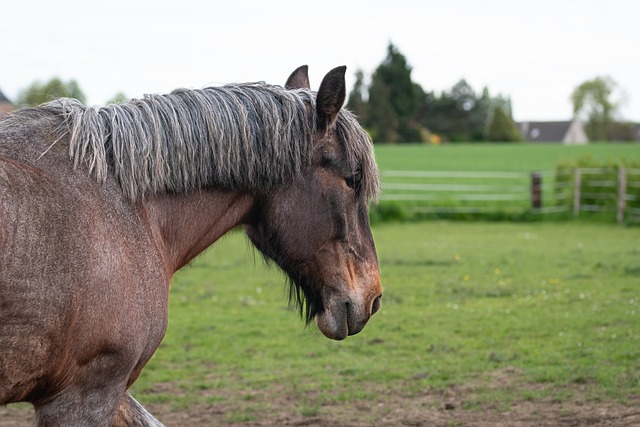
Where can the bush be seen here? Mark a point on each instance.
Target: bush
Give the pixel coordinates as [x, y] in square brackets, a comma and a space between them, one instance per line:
[387, 212]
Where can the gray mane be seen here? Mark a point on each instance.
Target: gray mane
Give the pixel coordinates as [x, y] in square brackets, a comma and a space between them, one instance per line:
[239, 137]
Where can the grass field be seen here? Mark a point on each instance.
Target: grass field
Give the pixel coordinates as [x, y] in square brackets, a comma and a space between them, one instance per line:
[478, 187]
[479, 315]
[555, 305]
[497, 157]
[497, 323]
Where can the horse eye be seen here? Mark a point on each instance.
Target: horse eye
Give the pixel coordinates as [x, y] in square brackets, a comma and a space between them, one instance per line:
[354, 180]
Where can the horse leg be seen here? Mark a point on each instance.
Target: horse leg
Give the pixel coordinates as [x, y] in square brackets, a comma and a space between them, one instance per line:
[132, 414]
[104, 403]
[87, 395]
[79, 407]
[64, 411]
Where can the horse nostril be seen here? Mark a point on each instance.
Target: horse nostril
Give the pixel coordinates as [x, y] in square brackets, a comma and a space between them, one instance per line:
[375, 306]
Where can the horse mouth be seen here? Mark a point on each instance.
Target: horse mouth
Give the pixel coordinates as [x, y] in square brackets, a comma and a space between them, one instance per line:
[335, 327]
[344, 319]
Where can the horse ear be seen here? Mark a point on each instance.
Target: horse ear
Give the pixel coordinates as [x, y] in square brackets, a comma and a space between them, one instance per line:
[331, 96]
[299, 79]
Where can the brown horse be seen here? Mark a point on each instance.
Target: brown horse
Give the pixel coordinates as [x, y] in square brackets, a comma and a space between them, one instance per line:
[100, 206]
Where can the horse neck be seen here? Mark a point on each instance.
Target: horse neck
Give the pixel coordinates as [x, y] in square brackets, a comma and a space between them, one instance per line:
[183, 225]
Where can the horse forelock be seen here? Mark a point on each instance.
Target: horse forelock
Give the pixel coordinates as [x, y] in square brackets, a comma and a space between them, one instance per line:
[359, 152]
[250, 136]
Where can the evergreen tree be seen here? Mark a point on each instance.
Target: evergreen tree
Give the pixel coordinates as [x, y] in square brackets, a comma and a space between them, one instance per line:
[394, 100]
[501, 127]
[382, 119]
[458, 114]
[398, 110]
[356, 102]
[479, 116]
[463, 101]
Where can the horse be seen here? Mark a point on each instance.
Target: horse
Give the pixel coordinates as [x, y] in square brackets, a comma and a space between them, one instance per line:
[100, 206]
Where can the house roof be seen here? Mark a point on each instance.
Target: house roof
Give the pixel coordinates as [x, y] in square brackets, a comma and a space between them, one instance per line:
[544, 131]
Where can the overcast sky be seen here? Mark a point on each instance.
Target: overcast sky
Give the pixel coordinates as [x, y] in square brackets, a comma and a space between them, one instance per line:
[536, 52]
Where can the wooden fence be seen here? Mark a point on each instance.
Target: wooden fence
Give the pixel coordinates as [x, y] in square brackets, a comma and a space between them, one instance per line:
[607, 190]
[451, 192]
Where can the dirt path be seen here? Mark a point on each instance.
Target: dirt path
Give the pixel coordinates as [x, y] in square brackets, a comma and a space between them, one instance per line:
[443, 408]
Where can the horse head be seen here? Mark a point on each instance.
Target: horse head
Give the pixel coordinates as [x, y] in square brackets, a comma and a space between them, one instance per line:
[316, 228]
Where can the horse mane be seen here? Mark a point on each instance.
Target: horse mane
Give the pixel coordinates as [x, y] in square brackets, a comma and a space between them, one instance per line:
[250, 136]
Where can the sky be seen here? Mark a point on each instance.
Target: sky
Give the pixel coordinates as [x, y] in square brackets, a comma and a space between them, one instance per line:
[535, 52]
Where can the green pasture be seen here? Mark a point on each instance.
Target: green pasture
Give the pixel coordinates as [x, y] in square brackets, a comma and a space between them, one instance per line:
[493, 181]
[498, 157]
[557, 304]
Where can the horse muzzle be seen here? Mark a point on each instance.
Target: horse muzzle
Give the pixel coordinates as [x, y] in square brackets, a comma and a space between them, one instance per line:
[346, 316]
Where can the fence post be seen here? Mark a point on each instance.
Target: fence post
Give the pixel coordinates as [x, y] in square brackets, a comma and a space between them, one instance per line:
[536, 190]
[622, 193]
[576, 192]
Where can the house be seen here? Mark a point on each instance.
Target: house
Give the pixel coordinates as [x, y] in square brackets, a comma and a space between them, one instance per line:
[5, 105]
[570, 132]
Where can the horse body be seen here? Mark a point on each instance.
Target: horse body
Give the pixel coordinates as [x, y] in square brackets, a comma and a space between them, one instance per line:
[85, 264]
[58, 230]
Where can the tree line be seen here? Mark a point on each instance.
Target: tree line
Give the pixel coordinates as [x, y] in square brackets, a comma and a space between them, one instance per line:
[40, 92]
[395, 109]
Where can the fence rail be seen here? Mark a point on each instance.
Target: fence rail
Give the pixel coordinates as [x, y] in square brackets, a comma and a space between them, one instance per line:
[582, 190]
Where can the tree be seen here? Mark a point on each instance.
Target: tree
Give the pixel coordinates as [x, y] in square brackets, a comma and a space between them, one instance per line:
[459, 114]
[399, 110]
[118, 98]
[38, 93]
[501, 127]
[394, 100]
[480, 114]
[592, 101]
[382, 119]
[356, 101]
[461, 104]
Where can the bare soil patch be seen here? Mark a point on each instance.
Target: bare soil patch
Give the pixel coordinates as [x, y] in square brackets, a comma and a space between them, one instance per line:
[454, 406]
[425, 410]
